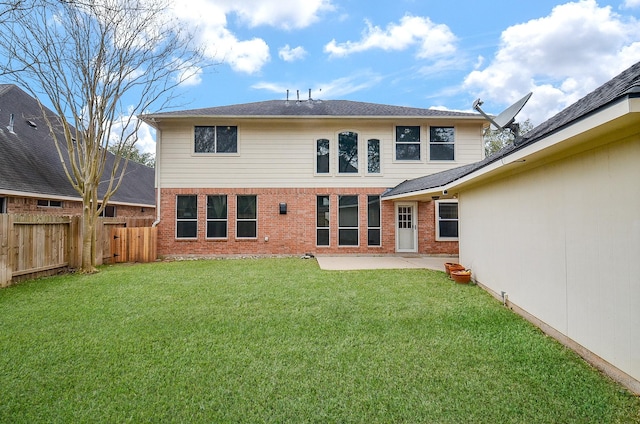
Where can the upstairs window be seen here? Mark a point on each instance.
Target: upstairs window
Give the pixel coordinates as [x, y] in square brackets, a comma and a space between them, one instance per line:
[322, 156]
[408, 143]
[216, 139]
[441, 143]
[348, 152]
[373, 156]
[3, 205]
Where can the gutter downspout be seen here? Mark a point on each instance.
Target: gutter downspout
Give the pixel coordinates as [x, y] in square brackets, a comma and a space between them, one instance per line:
[157, 168]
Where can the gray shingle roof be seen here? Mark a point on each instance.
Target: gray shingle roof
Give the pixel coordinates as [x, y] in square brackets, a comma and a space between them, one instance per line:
[626, 84]
[307, 108]
[29, 161]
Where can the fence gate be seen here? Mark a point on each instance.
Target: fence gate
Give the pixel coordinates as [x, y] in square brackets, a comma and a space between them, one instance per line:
[136, 244]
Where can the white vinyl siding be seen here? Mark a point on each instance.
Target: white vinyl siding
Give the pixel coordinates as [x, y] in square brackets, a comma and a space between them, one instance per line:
[284, 154]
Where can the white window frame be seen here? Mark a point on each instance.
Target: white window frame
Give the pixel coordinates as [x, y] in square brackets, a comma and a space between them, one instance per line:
[419, 143]
[337, 155]
[379, 173]
[328, 227]
[239, 220]
[225, 220]
[356, 227]
[48, 203]
[103, 214]
[315, 157]
[379, 227]
[186, 219]
[215, 153]
[430, 143]
[438, 219]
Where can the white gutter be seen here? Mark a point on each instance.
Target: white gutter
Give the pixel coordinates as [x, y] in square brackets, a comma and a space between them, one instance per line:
[157, 174]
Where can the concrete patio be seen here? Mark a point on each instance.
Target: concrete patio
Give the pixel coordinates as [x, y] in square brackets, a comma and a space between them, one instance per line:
[353, 262]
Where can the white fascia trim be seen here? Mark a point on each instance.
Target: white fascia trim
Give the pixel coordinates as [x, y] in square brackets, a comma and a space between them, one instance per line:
[14, 193]
[599, 118]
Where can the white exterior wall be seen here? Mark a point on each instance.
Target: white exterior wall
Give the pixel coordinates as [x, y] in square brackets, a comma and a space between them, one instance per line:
[563, 241]
[281, 153]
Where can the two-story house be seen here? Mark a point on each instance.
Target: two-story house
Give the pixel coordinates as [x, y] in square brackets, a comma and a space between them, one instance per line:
[293, 177]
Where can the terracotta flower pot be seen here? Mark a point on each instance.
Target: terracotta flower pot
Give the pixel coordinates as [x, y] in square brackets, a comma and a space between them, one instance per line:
[461, 276]
[451, 266]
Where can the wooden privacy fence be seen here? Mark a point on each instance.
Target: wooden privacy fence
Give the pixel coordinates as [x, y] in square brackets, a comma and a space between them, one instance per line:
[134, 244]
[39, 245]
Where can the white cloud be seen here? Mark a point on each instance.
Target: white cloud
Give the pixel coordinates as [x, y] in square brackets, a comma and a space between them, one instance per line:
[207, 19]
[630, 4]
[430, 39]
[335, 89]
[286, 14]
[560, 57]
[146, 139]
[289, 54]
[189, 75]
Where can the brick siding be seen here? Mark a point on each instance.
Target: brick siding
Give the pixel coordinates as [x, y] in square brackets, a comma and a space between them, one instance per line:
[28, 205]
[293, 233]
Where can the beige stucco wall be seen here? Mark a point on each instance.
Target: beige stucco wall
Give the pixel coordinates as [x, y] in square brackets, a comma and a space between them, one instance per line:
[281, 153]
[563, 241]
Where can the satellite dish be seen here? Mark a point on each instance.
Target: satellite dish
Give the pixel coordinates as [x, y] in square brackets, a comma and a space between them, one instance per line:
[506, 119]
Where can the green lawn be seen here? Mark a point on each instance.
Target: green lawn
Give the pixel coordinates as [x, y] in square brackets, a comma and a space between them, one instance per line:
[278, 340]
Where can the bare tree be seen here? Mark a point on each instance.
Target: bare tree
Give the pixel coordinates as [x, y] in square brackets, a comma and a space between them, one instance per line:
[495, 140]
[98, 63]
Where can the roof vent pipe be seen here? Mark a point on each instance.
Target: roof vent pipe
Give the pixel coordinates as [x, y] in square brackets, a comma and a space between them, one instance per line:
[10, 127]
[309, 94]
[298, 94]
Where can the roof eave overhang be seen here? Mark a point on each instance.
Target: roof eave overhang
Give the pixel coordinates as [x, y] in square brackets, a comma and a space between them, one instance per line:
[32, 195]
[579, 135]
[153, 120]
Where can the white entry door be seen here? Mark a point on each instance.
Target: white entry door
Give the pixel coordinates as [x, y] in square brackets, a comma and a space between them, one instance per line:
[406, 227]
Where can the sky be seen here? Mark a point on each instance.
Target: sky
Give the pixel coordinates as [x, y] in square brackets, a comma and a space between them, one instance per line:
[418, 53]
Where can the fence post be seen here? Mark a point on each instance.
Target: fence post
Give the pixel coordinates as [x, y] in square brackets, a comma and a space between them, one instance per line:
[74, 242]
[6, 241]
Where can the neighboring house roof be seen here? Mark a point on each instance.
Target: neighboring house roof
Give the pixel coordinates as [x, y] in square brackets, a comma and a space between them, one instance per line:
[30, 163]
[625, 85]
[310, 108]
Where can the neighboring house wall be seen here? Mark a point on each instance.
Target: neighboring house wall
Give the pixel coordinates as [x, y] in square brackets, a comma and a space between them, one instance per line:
[28, 205]
[276, 161]
[563, 241]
